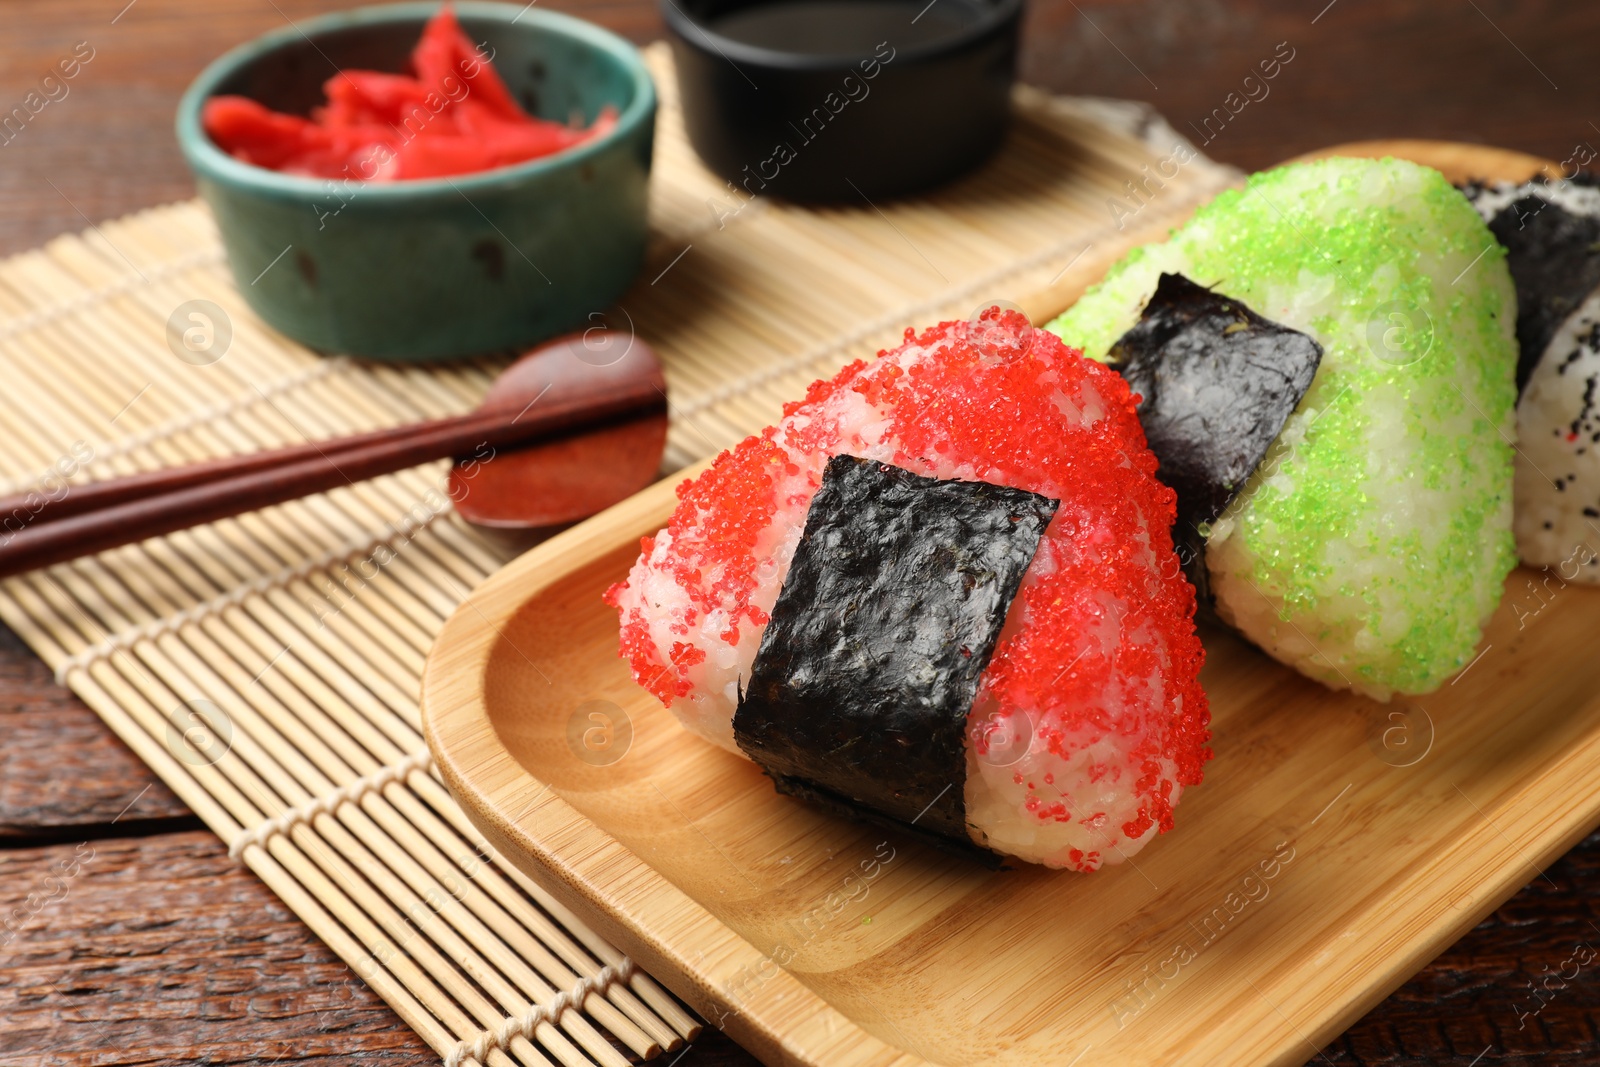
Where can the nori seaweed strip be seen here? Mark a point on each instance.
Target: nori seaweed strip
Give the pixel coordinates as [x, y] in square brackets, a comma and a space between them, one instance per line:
[1218, 383]
[859, 694]
[1554, 256]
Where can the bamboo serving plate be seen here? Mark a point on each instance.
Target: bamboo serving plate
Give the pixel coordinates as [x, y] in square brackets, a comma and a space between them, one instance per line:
[1335, 846]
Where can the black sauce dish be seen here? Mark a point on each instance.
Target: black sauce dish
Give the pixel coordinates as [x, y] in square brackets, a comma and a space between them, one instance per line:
[835, 100]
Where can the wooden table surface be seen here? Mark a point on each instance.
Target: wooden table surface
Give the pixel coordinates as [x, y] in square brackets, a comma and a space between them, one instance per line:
[158, 949]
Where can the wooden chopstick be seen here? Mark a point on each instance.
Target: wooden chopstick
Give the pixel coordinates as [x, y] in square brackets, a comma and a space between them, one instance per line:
[124, 510]
[98, 495]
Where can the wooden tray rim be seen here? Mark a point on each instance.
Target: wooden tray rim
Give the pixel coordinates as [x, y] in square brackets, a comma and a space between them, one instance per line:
[648, 916]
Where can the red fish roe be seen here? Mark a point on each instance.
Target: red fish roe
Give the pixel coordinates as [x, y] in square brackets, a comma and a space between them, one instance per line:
[1099, 652]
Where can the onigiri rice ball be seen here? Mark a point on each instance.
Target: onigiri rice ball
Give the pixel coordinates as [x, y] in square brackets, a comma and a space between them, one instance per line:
[1089, 720]
[1550, 230]
[1373, 542]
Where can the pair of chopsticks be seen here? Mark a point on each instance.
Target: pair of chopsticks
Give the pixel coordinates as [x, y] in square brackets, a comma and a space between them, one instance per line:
[96, 516]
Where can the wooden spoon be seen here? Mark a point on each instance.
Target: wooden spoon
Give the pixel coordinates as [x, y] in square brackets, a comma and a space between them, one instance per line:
[567, 430]
[572, 477]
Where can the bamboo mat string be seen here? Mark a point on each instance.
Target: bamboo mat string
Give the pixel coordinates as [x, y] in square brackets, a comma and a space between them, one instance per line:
[345, 794]
[397, 533]
[267, 666]
[520, 1026]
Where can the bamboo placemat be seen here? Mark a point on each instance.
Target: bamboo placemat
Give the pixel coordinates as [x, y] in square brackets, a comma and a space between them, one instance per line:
[267, 667]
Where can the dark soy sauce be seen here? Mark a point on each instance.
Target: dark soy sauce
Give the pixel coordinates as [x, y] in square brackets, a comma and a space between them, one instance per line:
[848, 27]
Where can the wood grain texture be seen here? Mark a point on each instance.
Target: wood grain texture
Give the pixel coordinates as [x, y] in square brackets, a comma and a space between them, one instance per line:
[340, 702]
[63, 775]
[100, 940]
[107, 148]
[682, 854]
[1414, 68]
[1509, 73]
[1435, 68]
[585, 401]
[163, 950]
[1476, 998]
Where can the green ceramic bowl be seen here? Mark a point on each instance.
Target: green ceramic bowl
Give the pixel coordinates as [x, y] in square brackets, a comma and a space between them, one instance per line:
[435, 268]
